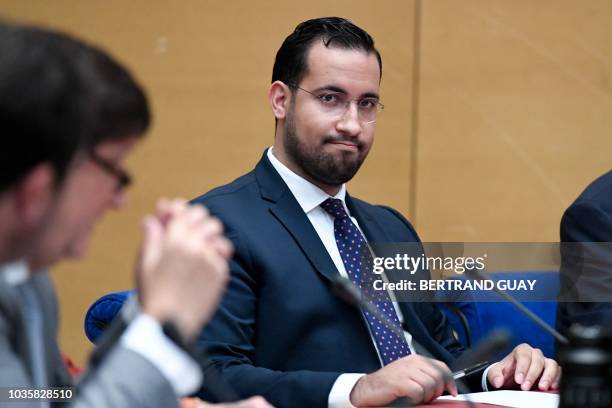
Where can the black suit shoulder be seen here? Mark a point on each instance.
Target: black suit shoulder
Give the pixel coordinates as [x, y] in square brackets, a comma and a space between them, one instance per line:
[393, 221]
[235, 189]
[589, 218]
[599, 190]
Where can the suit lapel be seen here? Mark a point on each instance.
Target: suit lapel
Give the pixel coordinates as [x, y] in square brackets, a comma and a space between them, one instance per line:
[13, 315]
[298, 225]
[9, 302]
[57, 373]
[372, 230]
[285, 208]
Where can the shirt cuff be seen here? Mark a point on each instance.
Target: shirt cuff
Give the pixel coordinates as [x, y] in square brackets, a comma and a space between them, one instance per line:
[340, 394]
[145, 337]
[484, 377]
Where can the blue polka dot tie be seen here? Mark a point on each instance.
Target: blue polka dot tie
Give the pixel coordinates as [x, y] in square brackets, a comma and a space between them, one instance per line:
[357, 260]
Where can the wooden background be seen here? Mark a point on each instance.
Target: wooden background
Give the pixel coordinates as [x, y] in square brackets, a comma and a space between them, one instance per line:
[497, 112]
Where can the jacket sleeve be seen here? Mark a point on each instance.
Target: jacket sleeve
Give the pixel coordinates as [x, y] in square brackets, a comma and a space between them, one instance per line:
[228, 340]
[125, 379]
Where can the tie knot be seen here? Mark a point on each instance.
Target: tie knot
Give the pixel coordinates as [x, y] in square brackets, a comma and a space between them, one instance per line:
[334, 207]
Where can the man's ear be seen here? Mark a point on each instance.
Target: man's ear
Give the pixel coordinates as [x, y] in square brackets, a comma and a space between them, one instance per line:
[279, 96]
[34, 194]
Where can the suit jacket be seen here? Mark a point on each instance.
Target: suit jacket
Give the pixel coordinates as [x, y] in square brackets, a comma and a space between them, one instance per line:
[123, 379]
[586, 269]
[280, 331]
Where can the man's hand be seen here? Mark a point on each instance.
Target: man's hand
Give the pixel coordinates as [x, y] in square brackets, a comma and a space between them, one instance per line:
[182, 269]
[419, 378]
[253, 402]
[523, 368]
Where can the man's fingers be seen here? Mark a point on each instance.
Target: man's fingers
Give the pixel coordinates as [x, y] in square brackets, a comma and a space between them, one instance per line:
[192, 403]
[206, 213]
[557, 380]
[496, 376]
[447, 377]
[501, 372]
[211, 227]
[195, 214]
[194, 223]
[414, 391]
[189, 215]
[223, 246]
[255, 402]
[150, 249]
[162, 206]
[535, 369]
[167, 209]
[549, 375]
[522, 356]
[430, 381]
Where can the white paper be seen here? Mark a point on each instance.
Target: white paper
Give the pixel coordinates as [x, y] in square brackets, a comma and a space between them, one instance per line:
[515, 399]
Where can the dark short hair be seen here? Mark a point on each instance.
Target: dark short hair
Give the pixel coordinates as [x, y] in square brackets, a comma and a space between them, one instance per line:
[291, 61]
[60, 96]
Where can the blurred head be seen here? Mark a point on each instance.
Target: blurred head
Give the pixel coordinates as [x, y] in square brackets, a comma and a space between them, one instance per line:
[325, 85]
[69, 115]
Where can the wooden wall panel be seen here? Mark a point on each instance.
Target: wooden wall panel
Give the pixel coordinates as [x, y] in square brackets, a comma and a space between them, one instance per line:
[207, 66]
[515, 108]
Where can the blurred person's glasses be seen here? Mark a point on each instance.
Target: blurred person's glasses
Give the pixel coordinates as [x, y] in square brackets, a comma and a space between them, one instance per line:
[123, 178]
[337, 103]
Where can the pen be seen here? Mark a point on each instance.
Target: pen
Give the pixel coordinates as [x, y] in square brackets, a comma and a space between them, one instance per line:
[469, 370]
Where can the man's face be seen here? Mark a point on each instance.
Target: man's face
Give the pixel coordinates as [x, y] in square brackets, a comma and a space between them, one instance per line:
[87, 192]
[325, 147]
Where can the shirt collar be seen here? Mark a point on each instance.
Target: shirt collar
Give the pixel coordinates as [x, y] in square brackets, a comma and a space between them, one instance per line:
[307, 194]
[15, 273]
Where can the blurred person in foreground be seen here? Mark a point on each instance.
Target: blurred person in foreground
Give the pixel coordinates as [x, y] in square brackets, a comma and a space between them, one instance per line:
[69, 116]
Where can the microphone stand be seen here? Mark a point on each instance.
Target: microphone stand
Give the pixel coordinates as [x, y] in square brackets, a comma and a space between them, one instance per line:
[477, 275]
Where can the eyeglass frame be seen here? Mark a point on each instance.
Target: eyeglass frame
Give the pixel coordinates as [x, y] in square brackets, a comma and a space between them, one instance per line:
[379, 105]
[124, 179]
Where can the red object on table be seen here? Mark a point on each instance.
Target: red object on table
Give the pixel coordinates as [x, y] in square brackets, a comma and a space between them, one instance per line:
[73, 369]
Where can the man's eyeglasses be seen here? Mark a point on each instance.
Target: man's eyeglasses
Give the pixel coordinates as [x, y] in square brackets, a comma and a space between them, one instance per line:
[123, 178]
[337, 103]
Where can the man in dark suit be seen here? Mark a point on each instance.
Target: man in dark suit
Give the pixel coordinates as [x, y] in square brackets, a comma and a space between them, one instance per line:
[69, 116]
[586, 236]
[280, 331]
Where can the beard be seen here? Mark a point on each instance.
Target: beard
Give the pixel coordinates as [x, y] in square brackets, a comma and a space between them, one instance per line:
[320, 165]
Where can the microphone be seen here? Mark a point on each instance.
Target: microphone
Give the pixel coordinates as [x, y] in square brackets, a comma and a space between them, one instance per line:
[476, 274]
[496, 342]
[351, 294]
